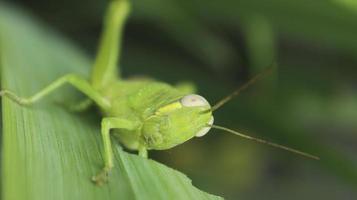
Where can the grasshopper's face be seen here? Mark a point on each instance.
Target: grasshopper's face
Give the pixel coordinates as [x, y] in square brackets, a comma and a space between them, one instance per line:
[177, 122]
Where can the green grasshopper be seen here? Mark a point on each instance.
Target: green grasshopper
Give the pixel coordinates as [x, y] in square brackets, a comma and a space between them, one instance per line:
[142, 114]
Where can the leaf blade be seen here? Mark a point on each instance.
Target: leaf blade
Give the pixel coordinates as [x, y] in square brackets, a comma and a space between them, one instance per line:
[49, 153]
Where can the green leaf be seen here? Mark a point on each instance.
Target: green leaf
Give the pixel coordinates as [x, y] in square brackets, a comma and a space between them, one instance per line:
[50, 153]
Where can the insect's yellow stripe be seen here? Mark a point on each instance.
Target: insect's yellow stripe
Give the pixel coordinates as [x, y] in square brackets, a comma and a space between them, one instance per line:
[170, 107]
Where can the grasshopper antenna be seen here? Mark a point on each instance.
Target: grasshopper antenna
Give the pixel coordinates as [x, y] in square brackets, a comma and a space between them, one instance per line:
[243, 87]
[301, 153]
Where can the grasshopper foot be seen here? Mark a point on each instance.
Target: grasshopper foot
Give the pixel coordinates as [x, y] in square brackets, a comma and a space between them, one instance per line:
[102, 177]
[20, 101]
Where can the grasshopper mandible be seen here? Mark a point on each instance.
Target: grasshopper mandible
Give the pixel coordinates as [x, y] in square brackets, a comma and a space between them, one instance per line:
[142, 114]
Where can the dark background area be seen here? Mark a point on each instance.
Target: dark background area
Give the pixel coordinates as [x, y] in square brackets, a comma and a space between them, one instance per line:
[309, 102]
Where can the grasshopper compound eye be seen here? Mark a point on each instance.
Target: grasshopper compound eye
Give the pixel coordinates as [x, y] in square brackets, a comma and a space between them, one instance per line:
[205, 130]
[194, 100]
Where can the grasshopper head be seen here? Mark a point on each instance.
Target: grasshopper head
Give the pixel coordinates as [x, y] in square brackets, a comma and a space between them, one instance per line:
[190, 116]
[177, 122]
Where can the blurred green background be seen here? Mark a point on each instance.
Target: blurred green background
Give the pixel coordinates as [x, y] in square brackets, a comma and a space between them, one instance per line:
[309, 102]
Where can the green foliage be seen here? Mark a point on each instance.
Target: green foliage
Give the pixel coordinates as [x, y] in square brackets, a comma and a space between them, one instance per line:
[50, 153]
[309, 104]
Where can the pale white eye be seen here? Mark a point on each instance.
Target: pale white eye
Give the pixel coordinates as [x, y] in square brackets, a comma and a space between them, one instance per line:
[205, 130]
[193, 100]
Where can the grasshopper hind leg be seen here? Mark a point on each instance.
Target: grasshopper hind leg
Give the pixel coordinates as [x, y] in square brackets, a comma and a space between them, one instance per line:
[81, 106]
[105, 69]
[186, 87]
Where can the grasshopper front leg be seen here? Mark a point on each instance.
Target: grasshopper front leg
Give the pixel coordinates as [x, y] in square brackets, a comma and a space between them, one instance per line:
[107, 125]
[80, 83]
